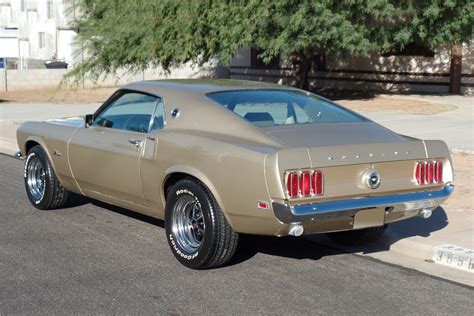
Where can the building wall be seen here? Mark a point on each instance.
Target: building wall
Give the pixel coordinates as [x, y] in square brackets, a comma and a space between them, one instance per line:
[32, 79]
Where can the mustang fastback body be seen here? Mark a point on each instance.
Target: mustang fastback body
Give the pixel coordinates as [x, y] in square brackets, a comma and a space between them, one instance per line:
[274, 159]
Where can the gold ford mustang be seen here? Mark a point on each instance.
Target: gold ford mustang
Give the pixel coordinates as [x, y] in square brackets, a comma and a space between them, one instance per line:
[218, 158]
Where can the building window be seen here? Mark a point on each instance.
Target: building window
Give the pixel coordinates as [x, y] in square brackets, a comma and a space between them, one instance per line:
[49, 9]
[41, 40]
[23, 5]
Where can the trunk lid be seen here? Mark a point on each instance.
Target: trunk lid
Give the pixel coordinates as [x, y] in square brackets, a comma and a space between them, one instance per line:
[346, 153]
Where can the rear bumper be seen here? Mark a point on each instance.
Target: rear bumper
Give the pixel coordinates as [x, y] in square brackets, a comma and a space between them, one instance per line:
[308, 213]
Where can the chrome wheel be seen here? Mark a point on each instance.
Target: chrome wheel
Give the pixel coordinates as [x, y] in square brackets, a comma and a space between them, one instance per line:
[188, 223]
[35, 178]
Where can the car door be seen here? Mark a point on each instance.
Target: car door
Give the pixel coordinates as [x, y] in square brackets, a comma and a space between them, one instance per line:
[105, 156]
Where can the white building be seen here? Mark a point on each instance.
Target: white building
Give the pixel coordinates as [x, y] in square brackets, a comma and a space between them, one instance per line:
[34, 31]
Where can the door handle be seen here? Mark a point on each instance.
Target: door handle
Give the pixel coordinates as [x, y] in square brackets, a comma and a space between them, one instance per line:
[135, 142]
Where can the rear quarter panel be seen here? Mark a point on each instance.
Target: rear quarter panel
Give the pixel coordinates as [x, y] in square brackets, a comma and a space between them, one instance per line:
[234, 173]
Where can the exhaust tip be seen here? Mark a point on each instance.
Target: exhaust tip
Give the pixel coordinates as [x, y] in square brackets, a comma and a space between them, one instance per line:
[425, 213]
[18, 155]
[296, 230]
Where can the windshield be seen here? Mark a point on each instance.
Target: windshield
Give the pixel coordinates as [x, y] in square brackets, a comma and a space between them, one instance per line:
[265, 108]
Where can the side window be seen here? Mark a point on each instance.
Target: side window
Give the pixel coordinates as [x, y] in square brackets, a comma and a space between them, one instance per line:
[131, 111]
[159, 120]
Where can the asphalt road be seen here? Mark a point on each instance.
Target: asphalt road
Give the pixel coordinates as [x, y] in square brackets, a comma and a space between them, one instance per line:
[96, 258]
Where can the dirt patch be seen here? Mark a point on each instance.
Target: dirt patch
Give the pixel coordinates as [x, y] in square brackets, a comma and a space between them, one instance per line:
[395, 104]
[463, 195]
[63, 95]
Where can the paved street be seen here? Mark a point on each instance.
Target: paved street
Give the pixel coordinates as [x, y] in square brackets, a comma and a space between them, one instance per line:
[95, 258]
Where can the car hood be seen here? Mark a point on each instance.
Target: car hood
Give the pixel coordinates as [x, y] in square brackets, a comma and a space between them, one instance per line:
[72, 121]
[331, 134]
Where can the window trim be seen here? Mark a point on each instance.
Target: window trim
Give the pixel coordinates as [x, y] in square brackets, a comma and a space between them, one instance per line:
[119, 93]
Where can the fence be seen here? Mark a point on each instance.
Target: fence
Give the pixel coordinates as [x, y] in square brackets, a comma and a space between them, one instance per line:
[381, 81]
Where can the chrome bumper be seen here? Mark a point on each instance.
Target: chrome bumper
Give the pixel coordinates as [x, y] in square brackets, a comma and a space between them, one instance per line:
[305, 213]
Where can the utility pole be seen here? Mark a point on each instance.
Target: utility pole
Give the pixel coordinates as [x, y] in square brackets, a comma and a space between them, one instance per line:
[6, 77]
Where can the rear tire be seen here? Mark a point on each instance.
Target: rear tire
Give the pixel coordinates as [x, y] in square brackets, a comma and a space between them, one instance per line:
[43, 188]
[358, 237]
[197, 231]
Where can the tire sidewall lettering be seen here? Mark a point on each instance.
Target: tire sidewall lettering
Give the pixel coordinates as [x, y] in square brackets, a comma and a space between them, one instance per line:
[185, 191]
[179, 252]
[25, 172]
[25, 168]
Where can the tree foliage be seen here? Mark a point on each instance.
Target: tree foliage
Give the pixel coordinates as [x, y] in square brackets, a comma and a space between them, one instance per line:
[134, 35]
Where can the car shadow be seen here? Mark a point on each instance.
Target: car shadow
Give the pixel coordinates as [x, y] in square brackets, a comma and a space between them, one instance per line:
[76, 200]
[122, 211]
[312, 247]
[287, 247]
[319, 245]
[395, 232]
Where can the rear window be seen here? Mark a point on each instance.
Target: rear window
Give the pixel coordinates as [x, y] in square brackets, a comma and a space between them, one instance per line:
[265, 108]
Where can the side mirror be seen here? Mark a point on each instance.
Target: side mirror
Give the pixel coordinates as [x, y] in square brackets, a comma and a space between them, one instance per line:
[88, 120]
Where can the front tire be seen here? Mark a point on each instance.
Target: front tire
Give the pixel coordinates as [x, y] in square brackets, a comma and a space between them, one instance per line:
[358, 237]
[197, 231]
[42, 186]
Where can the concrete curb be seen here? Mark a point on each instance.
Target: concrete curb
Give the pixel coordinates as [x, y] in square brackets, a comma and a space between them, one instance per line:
[412, 252]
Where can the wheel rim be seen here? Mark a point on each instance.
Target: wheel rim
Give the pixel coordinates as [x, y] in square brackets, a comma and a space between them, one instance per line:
[35, 178]
[188, 224]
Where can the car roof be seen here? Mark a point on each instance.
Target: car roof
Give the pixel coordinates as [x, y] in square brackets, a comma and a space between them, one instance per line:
[199, 86]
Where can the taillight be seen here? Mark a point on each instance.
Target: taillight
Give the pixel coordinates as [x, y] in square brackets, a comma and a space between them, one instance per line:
[292, 184]
[304, 183]
[317, 183]
[439, 171]
[429, 172]
[420, 173]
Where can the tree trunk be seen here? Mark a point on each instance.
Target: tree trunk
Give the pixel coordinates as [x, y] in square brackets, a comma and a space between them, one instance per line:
[302, 65]
[456, 69]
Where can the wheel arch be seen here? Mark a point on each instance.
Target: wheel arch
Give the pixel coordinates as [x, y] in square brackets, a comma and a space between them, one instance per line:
[177, 173]
[32, 141]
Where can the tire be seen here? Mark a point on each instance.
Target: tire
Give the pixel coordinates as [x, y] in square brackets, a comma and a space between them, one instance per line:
[358, 237]
[43, 188]
[197, 231]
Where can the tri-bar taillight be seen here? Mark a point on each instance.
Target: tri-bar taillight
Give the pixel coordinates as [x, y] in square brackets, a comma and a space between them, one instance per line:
[429, 172]
[304, 183]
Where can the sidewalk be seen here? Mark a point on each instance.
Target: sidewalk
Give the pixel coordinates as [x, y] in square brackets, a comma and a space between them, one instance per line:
[412, 243]
[456, 127]
[13, 114]
[408, 243]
